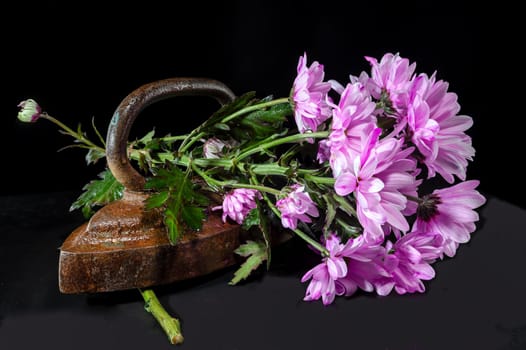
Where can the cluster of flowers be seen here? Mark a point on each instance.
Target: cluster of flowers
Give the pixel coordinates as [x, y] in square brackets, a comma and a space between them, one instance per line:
[378, 138]
[388, 132]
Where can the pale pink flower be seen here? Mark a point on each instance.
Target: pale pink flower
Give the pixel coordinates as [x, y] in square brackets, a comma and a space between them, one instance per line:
[379, 178]
[324, 277]
[409, 263]
[352, 123]
[451, 213]
[297, 205]
[436, 129]
[309, 95]
[238, 203]
[364, 265]
[392, 75]
[324, 151]
[213, 148]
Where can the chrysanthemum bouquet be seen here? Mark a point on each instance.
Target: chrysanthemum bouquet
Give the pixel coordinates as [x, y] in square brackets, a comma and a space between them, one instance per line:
[341, 166]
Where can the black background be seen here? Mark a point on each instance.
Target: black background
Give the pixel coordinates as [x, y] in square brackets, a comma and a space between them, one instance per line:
[80, 59]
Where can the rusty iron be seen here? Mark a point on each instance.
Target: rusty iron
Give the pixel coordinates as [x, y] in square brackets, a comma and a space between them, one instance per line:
[125, 246]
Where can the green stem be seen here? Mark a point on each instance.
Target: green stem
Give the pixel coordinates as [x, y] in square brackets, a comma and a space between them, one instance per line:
[173, 138]
[169, 324]
[218, 183]
[72, 133]
[255, 108]
[320, 179]
[192, 139]
[260, 188]
[298, 232]
[283, 140]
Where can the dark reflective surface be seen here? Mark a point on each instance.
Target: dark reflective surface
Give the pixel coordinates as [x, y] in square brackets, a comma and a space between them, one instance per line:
[476, 301]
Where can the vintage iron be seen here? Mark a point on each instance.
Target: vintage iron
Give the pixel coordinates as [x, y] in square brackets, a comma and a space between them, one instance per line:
[124, 246]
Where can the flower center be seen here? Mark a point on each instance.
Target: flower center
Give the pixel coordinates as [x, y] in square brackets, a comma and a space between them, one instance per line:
[427, 208]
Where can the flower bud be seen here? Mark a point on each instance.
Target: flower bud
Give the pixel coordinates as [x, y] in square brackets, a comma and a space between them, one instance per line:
[212, 148]
[29, 112]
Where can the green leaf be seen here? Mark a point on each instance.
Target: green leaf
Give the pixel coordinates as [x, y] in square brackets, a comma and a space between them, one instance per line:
[238, 103]
[264, 227]
[147, 138]
[256, 253]
[330, 213]
[222, 126]
[252, 219]
[193, 217]
[164, 179]
[183, 203]
[94, 155]
[157, 200]
[347, 230]
[98, 193]
[172, 225]
[344, 205]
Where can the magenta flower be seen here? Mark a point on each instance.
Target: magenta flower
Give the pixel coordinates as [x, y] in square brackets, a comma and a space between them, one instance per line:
[324, 151]
[364, 265]
[309, 94]
[450, 212]
[409, 263]
[238, 203]
[379, 178]
[437, 131]
[352, 123]
[392, 75]
[29, 112]
[325, 277]
[296, 206]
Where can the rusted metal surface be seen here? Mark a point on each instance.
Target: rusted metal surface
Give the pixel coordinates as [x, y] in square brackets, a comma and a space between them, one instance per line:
[125, 246]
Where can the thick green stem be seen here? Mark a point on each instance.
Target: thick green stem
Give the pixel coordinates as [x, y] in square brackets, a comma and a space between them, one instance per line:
[254, 108]
[283, 140]
[260, 188]
[320, 179]
[191, 140]
[218, 183]
[173, 138]
[169, 324]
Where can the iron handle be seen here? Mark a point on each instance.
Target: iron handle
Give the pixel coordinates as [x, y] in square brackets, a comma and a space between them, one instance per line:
[134, 103]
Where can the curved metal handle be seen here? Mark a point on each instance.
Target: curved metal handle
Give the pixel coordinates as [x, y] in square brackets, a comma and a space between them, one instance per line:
[134, 103]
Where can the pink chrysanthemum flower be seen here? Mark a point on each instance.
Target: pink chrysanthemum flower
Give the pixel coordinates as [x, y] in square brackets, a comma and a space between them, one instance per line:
[324, 277]
[392, 75]
[364, 265]
[436, 129]
[450, 212]
[352, 123]
[409, 263]
[309, 95]
[238, 203]
[296, 206]
[379, 178]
